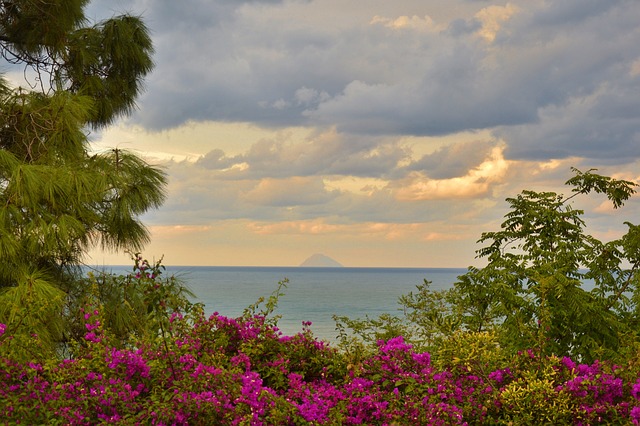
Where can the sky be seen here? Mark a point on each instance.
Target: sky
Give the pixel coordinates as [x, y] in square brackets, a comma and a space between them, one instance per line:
[379, 133]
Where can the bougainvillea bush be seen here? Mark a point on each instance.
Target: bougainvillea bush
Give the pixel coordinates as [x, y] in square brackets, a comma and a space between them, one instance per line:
[244, 371]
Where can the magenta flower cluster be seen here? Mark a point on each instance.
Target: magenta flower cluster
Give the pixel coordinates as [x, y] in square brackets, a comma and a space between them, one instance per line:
[221, 370]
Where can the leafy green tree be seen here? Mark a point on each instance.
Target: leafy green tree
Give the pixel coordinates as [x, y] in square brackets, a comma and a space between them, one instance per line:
[533, 284]
[57, 199]
[532, 293]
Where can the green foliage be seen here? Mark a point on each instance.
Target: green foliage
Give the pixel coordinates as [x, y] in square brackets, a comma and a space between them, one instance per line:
[477, 353]
[106, 62]
[58, 200]
[135, 306]
[48, 322]
[617, 191]
[432, 315]
[31, 26]
[32, 312]
[368, 329]
[275, 356]
[531, 292]
[221, 370]
[535, 277]
[534, 399]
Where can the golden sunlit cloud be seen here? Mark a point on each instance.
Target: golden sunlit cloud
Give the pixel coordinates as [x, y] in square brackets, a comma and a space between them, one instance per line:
[544, 166]
[477, 182]
[491, 18]
[405, 22]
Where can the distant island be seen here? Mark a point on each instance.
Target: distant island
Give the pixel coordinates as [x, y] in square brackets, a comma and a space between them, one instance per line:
[320, 260]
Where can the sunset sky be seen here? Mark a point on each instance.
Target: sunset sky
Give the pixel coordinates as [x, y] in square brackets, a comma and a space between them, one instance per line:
[377, 132]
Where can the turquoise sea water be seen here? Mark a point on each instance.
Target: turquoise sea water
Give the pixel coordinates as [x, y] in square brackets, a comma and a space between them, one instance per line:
[312, 294]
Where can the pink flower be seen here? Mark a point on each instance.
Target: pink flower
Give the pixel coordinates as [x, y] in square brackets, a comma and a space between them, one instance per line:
[635, 390]
[92, 337]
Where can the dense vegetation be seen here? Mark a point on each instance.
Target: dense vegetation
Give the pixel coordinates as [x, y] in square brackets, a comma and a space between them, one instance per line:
[519, 341]
[531, 293]
[57, 198]
[220, 370]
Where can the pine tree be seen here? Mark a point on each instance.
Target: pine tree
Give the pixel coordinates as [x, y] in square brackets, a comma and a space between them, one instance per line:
[57, 199]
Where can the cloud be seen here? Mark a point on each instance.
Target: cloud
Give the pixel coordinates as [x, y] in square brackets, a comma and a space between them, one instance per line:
[294, 191]
[509, 68]
[603, 126]
[453, 160]
[312, 227]
[571, 12]
[325, 153]
[324, 120]
[476, 183]
[275, 181]
[404, 22]
[386, 231]
[492, 17]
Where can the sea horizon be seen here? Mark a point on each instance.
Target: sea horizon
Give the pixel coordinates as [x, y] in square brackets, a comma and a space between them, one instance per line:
[311, 293]
[328, 268]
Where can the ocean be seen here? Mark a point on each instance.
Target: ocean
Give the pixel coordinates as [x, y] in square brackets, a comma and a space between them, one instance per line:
[312, 294]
